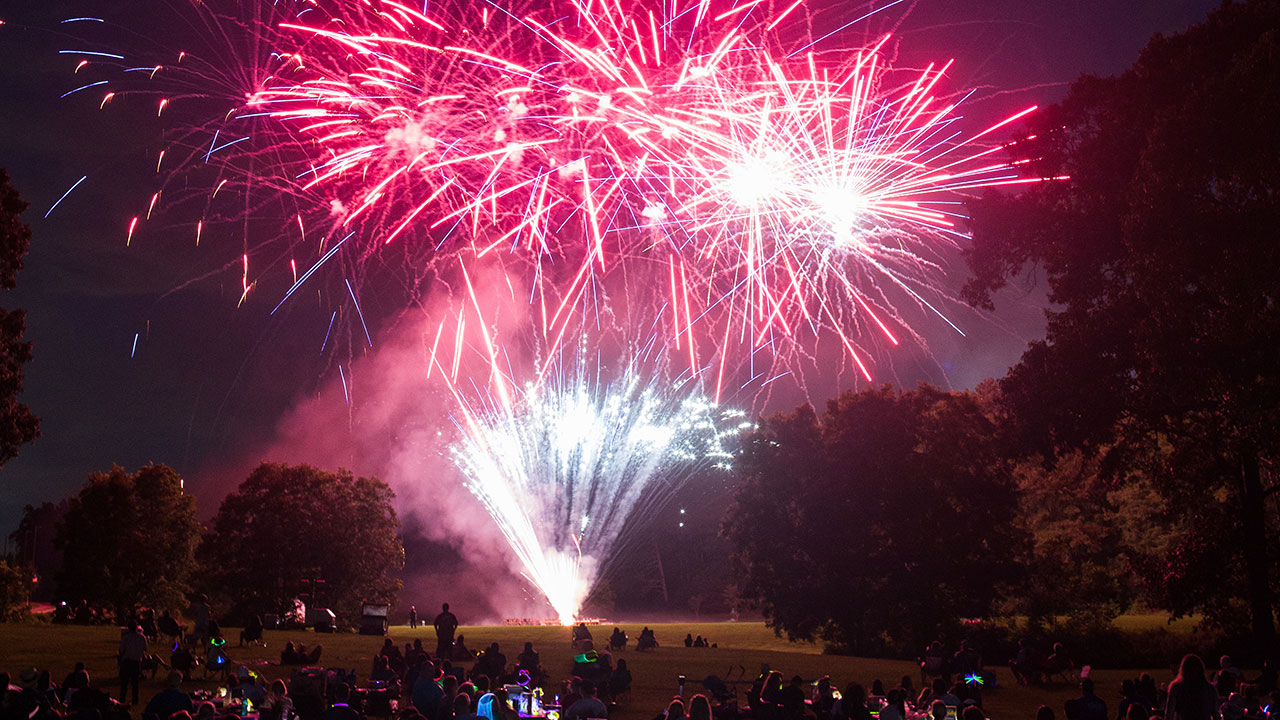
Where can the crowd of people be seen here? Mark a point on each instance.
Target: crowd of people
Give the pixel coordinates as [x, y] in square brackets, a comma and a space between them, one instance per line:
[411, 683]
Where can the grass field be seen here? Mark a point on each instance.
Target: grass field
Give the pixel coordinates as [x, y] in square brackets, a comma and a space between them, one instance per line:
[742, 648]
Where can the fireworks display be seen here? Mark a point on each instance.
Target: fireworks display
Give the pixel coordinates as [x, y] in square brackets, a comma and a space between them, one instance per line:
[763, 189]
[565, 467]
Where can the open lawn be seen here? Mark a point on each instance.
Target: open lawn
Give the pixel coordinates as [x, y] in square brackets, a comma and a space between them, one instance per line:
[742, 648]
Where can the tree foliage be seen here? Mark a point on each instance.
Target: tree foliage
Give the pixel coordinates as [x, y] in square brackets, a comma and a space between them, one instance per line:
[15, 584]
[287, 526]
[884, 521]
[37, 548]
[18, 425]
[129, 539]
[1161, 257]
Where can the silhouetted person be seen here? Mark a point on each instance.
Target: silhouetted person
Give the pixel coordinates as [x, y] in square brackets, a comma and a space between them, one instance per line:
[133, 645]
[341, 708]
[252, 631]
[413, 616]
[580, 634]
[170, 700]
[1191, 697]
[446, 625]
[790, 700]
[77, 679]
[588, 706]
[1092, 707]
[200, 610]
[618, 640]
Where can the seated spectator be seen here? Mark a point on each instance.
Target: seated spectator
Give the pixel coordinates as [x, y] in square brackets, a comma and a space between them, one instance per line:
[1059, 663]
[588, 706]
[1129, 697]
[425, 693]
[896, 706]
[502, 709]
[1023, 666]
[580, 634]
[1044, 712]
[620, 681]
[252, 632]
[823, 697]
[700, 708]
[790, 700]
[648, 640]
[972, 712]
[947, 696]
[967, 660]
[1092, 707]
[618, 640]
[341, 708]
[1267, 679]
[182, 660]
[529, 661]
[462, 708]
[461, 651]
[853, 704]
[491, 663]
[277, 705]
[674, 711]
[688, 640]
[382, 672]
[171, 699]
[77, 679]
[933, 664]
[167, 626]
[205, 711]
[1228, 677]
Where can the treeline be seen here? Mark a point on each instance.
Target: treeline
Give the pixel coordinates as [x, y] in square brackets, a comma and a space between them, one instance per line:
[131, 540]
[1127, 457]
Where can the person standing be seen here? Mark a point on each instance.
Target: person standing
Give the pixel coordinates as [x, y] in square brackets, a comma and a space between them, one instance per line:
[133, 646]
[446, 624]
[200, 609]
[413, 617]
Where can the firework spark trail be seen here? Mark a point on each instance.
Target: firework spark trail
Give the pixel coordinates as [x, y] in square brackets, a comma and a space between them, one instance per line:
[572, 459]
[791, 190]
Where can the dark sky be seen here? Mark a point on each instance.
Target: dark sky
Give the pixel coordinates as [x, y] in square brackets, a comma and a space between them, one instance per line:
[209, 380]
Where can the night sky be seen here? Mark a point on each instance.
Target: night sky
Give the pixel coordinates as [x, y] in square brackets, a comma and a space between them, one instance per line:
[209, 382]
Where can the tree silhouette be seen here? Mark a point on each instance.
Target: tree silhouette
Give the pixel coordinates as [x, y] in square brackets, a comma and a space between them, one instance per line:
[18, 425]
[890, 516]
[1161, 258]
[288, 526]
[129, 539]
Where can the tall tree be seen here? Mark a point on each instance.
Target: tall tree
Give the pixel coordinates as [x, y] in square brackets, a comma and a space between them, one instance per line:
[37, 548]
[18, 425]
[129, 539]
[890, 515]
[1161, 255]
[288, 526]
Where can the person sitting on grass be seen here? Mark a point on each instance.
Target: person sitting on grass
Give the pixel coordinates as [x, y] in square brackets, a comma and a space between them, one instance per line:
[252, 632]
